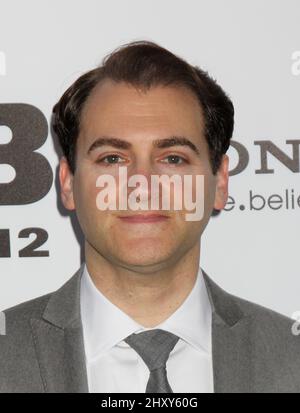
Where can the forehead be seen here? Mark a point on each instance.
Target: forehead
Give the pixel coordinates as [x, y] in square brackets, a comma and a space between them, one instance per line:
[122, 109]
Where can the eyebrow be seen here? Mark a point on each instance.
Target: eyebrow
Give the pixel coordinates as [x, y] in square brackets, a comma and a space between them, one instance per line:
[158, 143]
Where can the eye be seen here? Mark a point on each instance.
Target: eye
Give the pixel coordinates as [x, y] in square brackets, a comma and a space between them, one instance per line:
[176, 159]
[109, 159]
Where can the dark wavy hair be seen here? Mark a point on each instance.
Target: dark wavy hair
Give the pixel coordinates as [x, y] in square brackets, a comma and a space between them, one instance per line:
[144, 64]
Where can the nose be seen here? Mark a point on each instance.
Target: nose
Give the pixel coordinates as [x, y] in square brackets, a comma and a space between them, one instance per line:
[143, 168]
[140, 177]
[143, 172]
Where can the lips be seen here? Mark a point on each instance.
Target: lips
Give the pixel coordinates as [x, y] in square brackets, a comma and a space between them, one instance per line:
[144, 218]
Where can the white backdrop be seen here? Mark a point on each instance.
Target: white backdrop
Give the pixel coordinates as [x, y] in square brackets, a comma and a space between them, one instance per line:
[251, 47]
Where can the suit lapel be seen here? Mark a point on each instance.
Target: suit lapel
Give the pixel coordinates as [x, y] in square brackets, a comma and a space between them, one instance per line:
[231, 344]
[58, 340]
[59, 346]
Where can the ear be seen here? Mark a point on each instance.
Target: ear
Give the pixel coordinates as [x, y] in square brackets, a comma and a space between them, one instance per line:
[66, 184]
[221, 194]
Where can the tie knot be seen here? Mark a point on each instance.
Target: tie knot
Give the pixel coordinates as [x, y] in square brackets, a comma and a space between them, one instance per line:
[154, 346]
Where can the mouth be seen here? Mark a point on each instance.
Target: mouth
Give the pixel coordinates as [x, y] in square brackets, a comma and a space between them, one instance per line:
[144, 218]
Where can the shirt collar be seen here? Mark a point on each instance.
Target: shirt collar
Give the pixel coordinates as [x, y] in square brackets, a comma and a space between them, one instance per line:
[105, 325]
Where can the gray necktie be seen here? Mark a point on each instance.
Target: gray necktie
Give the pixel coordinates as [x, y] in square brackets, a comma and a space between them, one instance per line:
[154, 346]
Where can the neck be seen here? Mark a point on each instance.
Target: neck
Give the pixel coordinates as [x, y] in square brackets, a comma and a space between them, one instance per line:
[149, 295]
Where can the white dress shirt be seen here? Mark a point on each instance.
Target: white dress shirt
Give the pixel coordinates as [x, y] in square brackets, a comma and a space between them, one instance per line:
[115, 367]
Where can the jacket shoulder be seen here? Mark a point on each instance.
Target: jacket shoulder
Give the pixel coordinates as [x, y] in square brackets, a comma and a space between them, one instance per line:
[32, 308]
[260, 312]
[35, 308]
[19, 365]
[270, 326]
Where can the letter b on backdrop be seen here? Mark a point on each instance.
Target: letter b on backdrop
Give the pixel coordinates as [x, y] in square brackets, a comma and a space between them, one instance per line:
[33, 173]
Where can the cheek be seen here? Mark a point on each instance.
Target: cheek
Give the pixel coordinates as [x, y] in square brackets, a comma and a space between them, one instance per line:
[209, 193]
[85, 192]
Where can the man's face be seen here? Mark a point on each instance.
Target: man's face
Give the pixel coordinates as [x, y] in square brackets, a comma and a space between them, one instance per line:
[140, 120]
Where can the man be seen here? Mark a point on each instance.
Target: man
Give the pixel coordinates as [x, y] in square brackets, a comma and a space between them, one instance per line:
[140, 315]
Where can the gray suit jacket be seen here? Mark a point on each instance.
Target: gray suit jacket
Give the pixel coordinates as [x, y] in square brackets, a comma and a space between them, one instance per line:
[253, 347]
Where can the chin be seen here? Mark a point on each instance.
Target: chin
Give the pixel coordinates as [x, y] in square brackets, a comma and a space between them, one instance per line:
[142, 257]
